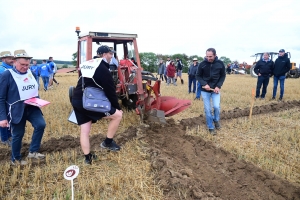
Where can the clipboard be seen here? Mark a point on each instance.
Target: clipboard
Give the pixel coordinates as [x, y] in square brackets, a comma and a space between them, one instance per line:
[37, 102]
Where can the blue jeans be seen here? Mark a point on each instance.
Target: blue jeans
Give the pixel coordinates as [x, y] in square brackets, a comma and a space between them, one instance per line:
[198, 94]
[38, 81]
[192, 80]
[171, 79]
[206, 96]
[45, 81]
[281, 79]
[5, 134]
[35, 117]
[262, 81]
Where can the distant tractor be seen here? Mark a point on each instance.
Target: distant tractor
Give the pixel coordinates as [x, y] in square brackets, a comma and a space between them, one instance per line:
[293, 73]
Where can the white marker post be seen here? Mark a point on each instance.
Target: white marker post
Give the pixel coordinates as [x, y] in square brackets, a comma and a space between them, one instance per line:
[71, 173]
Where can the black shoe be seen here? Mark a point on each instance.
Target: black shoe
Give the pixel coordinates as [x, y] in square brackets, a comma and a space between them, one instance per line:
[280, 99]
[262, 98]
[212, 131]
[182, 81]
[197, 99]
[273, 98]
[89, 161]
[217, 125]
[112, 146]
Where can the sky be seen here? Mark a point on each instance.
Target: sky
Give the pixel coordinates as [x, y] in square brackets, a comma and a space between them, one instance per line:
[236, 29]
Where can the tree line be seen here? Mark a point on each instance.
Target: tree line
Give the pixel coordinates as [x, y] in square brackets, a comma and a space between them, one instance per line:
[150, 60]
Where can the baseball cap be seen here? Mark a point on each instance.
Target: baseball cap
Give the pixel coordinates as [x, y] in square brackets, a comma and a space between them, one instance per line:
[195, 59]
[104, 49]
[281, 50]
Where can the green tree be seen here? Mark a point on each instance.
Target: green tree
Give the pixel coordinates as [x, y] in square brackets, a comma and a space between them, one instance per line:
[225, 60]
[74, 58]
[64, 66]
[184, 59]
[149, 61]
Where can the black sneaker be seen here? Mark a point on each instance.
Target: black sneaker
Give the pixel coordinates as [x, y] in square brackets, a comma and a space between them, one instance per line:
[112, 146]
[280, 99]
[217, 125]
[212, 131]
[182, 81]
[273, 98]
[89, 161]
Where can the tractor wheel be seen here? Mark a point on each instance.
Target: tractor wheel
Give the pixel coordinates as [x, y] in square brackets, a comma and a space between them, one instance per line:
[71, 91]
[253, 74]
[130, 105]
[293, 74]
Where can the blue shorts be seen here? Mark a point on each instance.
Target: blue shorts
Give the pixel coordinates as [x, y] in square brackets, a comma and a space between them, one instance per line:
[179, 73]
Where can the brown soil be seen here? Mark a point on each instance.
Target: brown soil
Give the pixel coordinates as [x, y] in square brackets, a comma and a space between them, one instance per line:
[188, 167]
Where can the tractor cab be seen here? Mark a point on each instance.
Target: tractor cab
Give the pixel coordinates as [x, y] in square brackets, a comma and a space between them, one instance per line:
[273, 56]
[124, 44]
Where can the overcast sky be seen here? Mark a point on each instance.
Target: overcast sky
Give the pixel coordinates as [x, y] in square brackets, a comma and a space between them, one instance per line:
[237, 29]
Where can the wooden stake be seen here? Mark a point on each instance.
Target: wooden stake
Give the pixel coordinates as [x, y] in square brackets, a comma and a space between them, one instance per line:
[252, 102]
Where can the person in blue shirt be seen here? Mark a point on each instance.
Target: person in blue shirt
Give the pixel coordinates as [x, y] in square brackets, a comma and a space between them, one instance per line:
[45, 71]
[7, 63]
[34, 70]
[54, 69]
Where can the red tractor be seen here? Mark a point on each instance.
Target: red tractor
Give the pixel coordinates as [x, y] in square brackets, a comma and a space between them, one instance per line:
[138, 90]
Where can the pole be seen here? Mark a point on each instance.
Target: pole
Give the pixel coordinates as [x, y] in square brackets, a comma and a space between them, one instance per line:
[252, 102]
[72, 189]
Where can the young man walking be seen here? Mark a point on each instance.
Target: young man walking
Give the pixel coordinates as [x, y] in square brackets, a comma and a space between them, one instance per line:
[211, 75]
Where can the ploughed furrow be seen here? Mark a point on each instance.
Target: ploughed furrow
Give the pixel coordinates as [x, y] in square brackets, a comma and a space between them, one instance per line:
[188, 166]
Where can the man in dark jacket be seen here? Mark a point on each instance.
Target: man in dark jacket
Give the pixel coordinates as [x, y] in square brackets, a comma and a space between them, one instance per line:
[264, 70]
[192, 75]
[179, 67]
[18, 85]
[211, 75]
[281, 67]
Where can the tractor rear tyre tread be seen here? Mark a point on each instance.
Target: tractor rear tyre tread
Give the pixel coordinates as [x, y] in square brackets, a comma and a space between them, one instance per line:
[253, 74]
[71, 91]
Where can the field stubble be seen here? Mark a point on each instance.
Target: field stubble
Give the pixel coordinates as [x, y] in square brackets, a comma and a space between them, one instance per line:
[270, 141]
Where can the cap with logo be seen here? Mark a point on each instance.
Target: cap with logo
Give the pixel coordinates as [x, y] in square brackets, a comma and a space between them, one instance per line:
[281, 50]
[5, 54]
[104, 49]
[21, 53]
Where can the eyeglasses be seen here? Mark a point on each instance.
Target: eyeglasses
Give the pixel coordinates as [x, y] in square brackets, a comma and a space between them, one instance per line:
[23, 64]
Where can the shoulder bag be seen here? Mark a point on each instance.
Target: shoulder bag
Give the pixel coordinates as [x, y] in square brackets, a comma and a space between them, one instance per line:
[94, 99]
